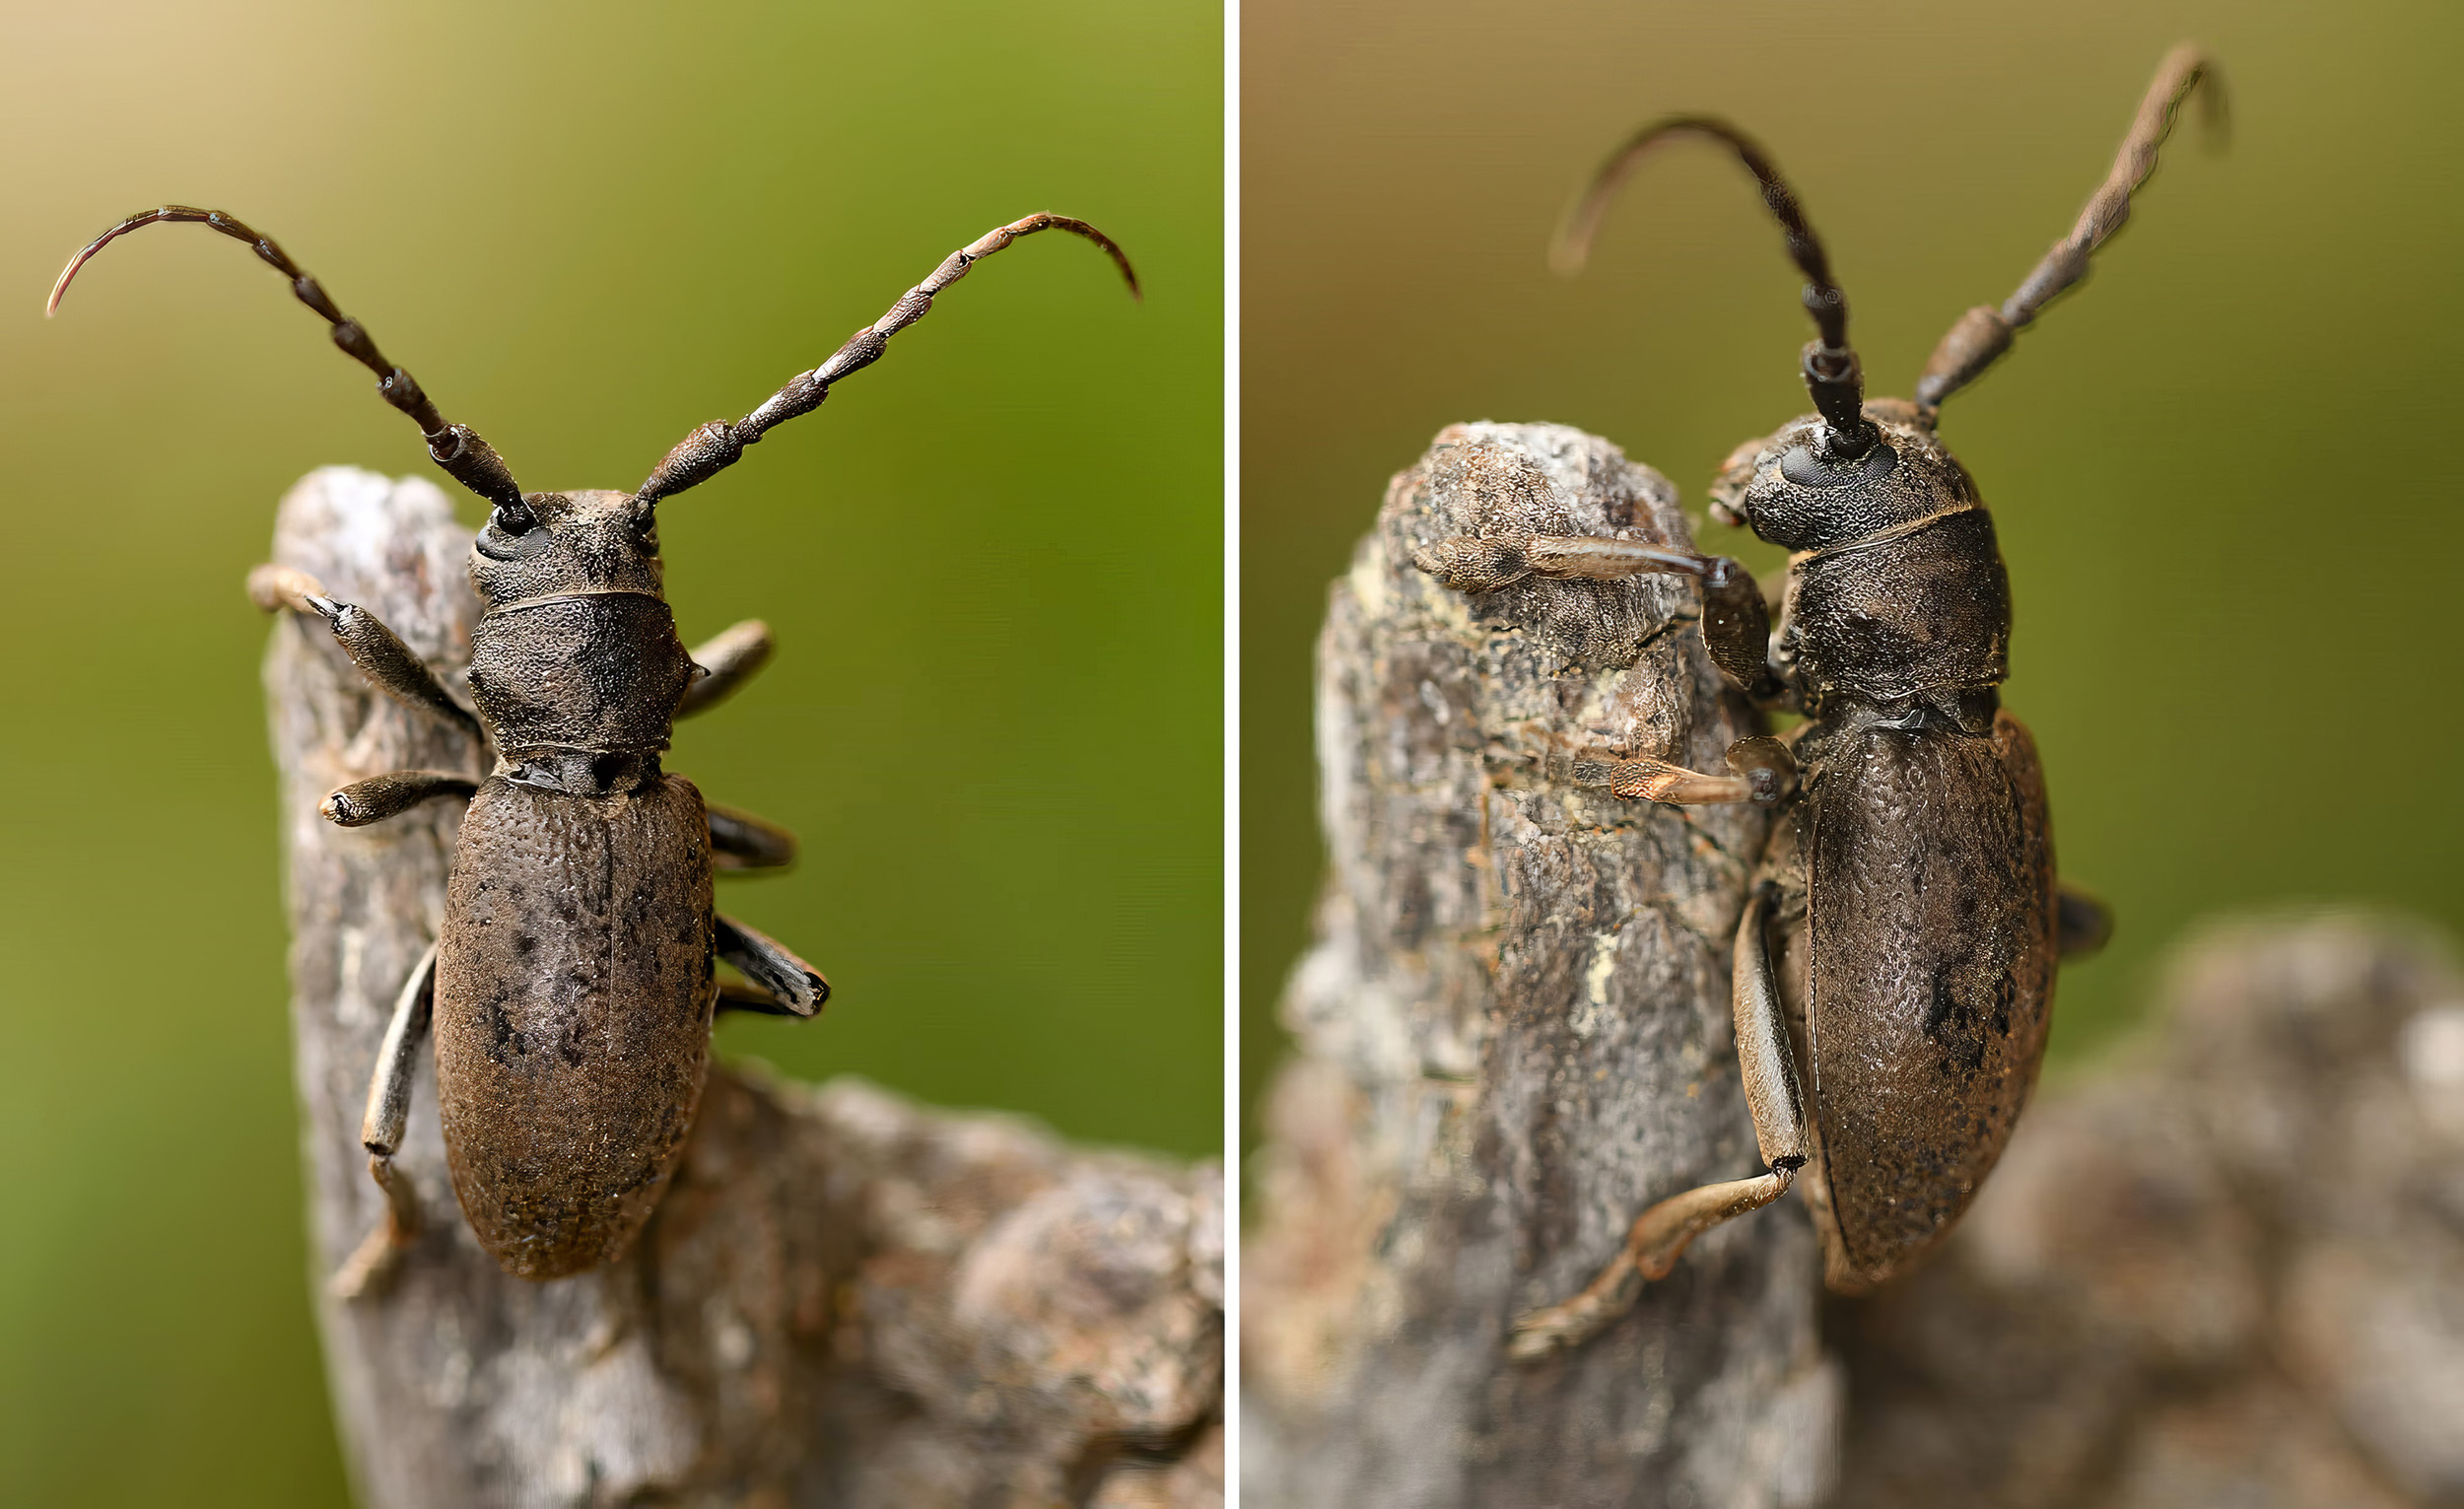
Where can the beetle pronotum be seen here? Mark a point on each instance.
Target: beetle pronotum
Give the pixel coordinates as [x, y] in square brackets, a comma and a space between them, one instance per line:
[571, 986]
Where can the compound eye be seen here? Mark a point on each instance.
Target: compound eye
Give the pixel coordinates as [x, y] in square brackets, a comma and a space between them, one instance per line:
[512, 533]
[1806, 469]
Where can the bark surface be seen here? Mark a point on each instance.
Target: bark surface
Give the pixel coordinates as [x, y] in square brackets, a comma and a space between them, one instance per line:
[1513, 1034]
[842, 1299]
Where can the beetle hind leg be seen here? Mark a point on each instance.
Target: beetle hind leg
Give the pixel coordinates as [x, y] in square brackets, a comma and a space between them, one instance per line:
[1658, 1238]
[373, 1266]
[2084, 923]
[773, 969]
[1767, 1061]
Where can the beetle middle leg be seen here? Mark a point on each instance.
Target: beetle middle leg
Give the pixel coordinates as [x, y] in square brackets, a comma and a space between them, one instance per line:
[1661, 1234]
[740, 842]
[391, 794]
[381, 1132]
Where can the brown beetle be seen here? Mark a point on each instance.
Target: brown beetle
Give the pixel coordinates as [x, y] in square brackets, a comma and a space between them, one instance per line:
[573, 984]
[1899, 947]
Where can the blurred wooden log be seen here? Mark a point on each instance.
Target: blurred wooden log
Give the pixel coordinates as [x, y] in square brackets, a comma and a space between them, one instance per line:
[844, 1299]
[1513, 1032]
[2223, 1269]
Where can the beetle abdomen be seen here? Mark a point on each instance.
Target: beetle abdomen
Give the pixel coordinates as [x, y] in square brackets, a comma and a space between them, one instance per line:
[1931, 911]
[574, 991]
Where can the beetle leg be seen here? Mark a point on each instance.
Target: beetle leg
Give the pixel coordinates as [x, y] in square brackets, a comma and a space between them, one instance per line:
[735, 996]
[381, 1132]
[374, 649]
[769, 965]
[382, 796]
[728, 660]
[2083, 922]
[1768, 1061]
[1736, 619]
[739, 841]
[1765, 773]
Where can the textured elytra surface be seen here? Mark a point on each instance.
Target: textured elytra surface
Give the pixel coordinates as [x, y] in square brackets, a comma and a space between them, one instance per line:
[1933, 960]
[2221, 1270]
[574, 991]
[841, 1298]
[1514, 1034]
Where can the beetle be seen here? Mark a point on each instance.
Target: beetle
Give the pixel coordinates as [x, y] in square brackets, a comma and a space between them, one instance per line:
[1897, 948]
[571, 986]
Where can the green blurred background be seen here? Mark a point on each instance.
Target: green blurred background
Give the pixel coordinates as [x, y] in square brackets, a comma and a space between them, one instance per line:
[2219, 468]
[587, 229]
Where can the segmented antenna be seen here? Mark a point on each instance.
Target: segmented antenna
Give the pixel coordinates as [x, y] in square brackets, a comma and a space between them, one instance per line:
[1984, 333]
[458, 449]
[1833, 374]
[717, 446]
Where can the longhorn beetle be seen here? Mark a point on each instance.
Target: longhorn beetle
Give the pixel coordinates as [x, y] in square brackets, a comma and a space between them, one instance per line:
[572, 987]
[1898, 945]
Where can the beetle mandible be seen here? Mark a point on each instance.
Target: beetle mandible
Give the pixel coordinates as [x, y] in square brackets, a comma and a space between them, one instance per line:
[1897, 949]
[571, 986]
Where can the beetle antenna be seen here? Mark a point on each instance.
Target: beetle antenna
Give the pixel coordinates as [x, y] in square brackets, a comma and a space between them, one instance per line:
[717, 446]
[1832, 375]
[1984, 333]
[458, 449]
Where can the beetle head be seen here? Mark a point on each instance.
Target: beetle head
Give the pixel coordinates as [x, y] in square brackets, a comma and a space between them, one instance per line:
[566, 542]
[1784, 489]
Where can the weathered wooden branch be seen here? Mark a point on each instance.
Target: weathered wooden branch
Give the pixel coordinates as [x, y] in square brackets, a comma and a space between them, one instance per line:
[1513, 1032]
[844, 1299]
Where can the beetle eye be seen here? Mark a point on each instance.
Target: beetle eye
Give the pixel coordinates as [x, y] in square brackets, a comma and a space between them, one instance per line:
[514, 519]
[1802, 468]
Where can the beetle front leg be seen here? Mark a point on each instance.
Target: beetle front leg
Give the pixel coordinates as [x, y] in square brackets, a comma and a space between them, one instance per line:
[1768, 1061]
[1736, 620]
[374, 649]
[380, 1132]
[728, 660]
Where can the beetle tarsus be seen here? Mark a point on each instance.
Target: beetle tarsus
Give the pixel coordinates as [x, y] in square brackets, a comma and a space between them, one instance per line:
[1656, 1239]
